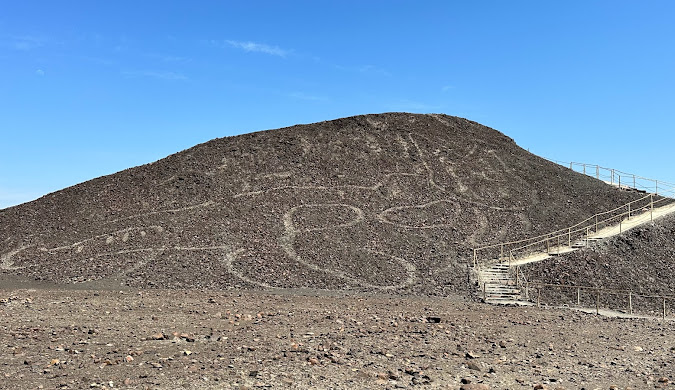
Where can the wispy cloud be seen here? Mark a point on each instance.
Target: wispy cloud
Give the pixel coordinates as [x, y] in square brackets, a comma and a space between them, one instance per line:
[24, 42]
[304, 96]
[40, 72]
[255, 47]
[446, 88]
[156, 75]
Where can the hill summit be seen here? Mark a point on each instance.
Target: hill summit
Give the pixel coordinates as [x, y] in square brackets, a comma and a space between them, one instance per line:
[388, 202]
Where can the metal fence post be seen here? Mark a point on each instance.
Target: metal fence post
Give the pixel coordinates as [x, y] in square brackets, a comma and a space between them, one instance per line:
[630, 302]
[651, 209]
[664, 308]
[597, 302]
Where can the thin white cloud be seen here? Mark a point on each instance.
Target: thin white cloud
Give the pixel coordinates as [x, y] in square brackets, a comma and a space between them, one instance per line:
[254, 47]
[156, 75]
[304, 96]
[24, 42]
[446, 88]
[40, 72]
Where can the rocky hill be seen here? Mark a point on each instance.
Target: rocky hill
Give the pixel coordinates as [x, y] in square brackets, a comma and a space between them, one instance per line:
[641, 260]
[391, 202]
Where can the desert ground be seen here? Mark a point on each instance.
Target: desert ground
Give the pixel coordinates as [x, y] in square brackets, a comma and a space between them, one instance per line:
[161, 339]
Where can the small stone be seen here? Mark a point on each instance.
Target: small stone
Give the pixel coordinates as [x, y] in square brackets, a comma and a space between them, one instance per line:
[313, 361]
[129, 359]
[637, 348]
[157, 336]
[473, 366]
[539, 386]
[127, 381]
[156, 365]
[664, 380]
[475, 386]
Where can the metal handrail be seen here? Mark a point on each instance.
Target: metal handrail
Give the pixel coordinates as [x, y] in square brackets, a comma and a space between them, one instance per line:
[598, 291]
[666, 188]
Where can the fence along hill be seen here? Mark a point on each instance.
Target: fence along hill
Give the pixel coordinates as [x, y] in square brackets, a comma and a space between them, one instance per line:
[389, 202]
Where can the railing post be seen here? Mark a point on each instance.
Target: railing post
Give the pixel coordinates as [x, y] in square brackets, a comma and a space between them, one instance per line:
[620, 225]
[517, 276]
[596, 223]
[578, 296]
[664, 308]
[548, 246]
[629, 211]
[558, 243]
[539, 296]
[597, 172]
[619, 181]
[656, 183]
[612, 179]
[501, 253]
[597, 302]
[587, 234]
[634, 185]
[569, 238]
[484, 292]
[527, 290]
[630, 302]
[475, 261]
[584, 165]
[651, 209]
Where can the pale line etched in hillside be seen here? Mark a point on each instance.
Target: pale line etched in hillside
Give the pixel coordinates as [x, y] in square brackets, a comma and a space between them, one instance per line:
[6, 263]
[158, 229]
[288, 239]
[325, 188]
[228, 260]
[410, 268]
[187, 208]
[481, 228]
[382, 216]
[430, 172]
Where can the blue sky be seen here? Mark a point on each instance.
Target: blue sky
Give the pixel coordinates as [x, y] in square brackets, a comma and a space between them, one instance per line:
[89, 88]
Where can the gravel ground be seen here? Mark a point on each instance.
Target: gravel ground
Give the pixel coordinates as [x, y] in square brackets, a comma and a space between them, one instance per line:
[159, 339]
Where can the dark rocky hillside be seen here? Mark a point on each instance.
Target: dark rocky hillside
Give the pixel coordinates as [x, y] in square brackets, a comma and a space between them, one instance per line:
[390, 202]
[641, 260]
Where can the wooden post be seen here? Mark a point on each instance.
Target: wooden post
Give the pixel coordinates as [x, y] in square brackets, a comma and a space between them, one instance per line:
[634, 185]
[664, 308]
[484, 292]
[620, 225]
[578, 296]
[596, 223]
[619, 181]
[475, 260]
[629, 211]
[584, 165]
[656, 183]
[501, 254]
[569, 238]
[630, 302]
[587, 234]
[548, 245]
[597, 172]
[539, 296]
